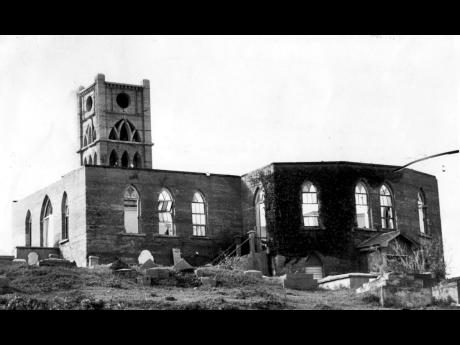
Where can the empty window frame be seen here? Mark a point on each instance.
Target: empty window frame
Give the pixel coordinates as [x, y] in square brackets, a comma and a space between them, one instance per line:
[28, 241]
[261, 221]
[198, 215]
[125, 160]
[65, 217]
[362, 206]
[137, 160]
[386, 208]
[165, 214]
[113, 160]
[46, 224]
[310, 205]
[421, 205]
[131, 210]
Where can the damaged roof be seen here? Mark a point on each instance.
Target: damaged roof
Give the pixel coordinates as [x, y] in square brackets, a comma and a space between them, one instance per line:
[382, 240]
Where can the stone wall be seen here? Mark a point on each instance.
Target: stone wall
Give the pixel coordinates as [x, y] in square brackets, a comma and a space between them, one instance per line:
[73, 184]
[107, 237]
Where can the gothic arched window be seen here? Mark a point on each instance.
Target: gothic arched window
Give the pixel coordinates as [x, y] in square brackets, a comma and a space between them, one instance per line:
[131, 210]
[46, 224]
[65, 217]
[166, 213]
[261, 221]
[362, 206]
[310, 205]
[113, 160]
[386, 208]
[124, 130]
[198, 215]
[421, 205]
[137, 161]
[125, 160]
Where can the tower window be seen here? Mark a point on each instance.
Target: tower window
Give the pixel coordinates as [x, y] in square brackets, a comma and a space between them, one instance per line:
[113, 160]
[198, 215]
[310, 205]
[123, 100]
[125, 160]
[165, 214]
[89, 103]
[137, 161]
[386, 208]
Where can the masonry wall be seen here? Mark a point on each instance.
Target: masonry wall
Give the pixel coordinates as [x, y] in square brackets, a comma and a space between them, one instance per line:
[337, 234]
[73, 184]
[107, 238]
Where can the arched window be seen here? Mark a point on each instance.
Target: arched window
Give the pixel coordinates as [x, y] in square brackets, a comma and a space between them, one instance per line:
[136, 137]
[85, 141]
[113, 160]
[65, 217]
[90, 161]
[46, 224]
[261, 221]
[131, 210]
[386, 208]
[165, 214]
[362, 206]
[137, 161]
[28, 229]
[124, 160]
[113, 134]
[310, 206]
[124, 132]
[422, 212]
[198, 215]
[95, 158]
[85, 162]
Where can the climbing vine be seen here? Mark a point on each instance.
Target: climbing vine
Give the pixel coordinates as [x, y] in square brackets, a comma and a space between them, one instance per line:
[335, 185]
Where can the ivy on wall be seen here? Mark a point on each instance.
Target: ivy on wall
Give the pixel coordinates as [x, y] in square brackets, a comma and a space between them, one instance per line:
[335, 184]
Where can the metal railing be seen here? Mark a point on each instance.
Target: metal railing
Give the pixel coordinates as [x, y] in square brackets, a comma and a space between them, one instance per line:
[226, 254]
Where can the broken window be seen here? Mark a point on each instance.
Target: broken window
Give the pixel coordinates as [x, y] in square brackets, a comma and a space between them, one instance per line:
[198, 215]
[113, 160]
[28, 229]
[310, 205]
[46, 224]
[124, 160]
[261, 222]
[362, 206]
[65, 217]
[422, 212]
[386, 208]
[131, 210]
[165, 214]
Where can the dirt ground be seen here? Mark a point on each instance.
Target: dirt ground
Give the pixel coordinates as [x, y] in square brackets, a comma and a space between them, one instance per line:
[82, 288]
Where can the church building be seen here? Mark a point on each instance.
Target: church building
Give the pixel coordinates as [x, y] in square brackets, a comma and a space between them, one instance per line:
[327, 217]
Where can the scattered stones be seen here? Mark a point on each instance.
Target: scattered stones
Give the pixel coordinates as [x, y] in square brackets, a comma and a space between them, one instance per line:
[183, 266]
[253, 273]
[118, 264]
[148, 264]
[208, 281]
[93, 261]
[32, 258]
[176, 255]
[299, 281]
[158, 272]
[56, 262]
[145, 256]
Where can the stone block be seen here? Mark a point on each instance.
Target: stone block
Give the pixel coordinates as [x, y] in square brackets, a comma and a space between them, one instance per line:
[19, 261]
[183, 266]
[208, 281]
[144, 280]
[4, 282]
[299, 281]
[32, 258]
[56, 262]
[145, 256]
[405, 297]
[93, 260]
[253, 273]
[53, 256]
[126, 273]
[158, 272]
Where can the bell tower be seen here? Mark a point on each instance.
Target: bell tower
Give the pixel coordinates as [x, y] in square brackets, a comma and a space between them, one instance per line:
[114, 125]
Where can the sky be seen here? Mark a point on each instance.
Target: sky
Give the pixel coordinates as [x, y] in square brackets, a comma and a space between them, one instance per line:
[231, 104]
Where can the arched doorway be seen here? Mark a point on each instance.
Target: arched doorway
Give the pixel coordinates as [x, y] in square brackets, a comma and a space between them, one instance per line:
[314, 266]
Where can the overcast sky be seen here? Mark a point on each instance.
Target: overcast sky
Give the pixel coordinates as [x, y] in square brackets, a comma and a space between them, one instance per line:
[233, 104]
